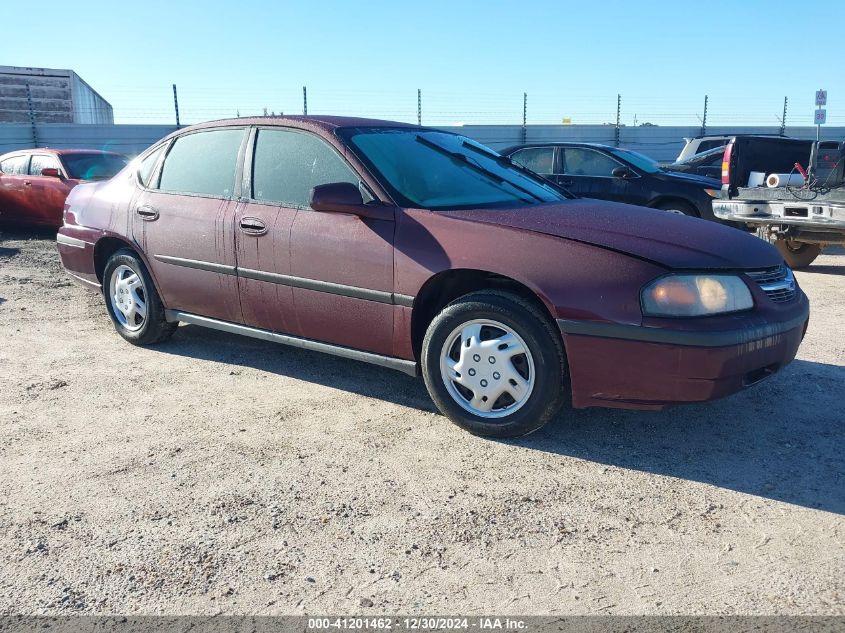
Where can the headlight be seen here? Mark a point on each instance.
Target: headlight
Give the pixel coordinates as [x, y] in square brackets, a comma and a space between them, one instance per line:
[695, 295]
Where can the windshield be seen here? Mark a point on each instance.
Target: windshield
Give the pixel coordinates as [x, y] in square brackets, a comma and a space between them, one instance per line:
[640, 161]
[93, 166]
[437, 170]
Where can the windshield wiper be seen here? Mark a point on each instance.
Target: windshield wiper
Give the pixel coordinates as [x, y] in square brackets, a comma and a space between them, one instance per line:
[463, 158]
[510, 162]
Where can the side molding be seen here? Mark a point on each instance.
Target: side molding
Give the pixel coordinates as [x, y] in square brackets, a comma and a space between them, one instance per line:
[406, 366]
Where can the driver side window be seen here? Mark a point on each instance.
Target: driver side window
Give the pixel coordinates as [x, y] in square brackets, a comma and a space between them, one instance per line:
[580, 161]
[288, 164]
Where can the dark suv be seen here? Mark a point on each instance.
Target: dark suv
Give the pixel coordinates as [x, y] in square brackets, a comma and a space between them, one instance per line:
[591, 170]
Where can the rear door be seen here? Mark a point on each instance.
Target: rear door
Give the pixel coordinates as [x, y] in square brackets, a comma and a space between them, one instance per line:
[588, 172]
[46, 195]
[13, 174]
[184, 222]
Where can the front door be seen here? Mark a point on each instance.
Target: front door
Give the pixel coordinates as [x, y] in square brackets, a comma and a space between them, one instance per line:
[588, 173]
[184, 222]
[322, 276]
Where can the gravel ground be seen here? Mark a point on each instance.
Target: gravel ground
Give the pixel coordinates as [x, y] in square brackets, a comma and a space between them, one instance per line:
[218, 474]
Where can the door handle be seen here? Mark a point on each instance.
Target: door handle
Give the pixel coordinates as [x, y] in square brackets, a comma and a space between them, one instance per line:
[565, 183]
[27, 183]
[252, 226]
[146, 212]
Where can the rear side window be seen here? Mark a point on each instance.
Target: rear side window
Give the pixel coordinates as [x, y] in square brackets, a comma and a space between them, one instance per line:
[42, 161]
[203, 163]
[587, 162]
[15, 166]
[145, 171]
[288, 164]
[540, 160]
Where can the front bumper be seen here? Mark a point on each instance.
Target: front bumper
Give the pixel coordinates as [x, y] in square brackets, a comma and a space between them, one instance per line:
[635, 367]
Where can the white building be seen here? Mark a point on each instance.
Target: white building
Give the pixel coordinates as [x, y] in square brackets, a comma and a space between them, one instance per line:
[46, 95]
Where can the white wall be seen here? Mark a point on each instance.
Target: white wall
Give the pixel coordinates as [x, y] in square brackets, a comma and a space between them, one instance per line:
[661, 143]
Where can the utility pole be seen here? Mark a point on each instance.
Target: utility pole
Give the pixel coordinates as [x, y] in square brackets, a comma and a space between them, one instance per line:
[618, 117]
[783, 120]
[419, 106]
[31, 116]
[176, 105]
[304, 101]
[524, 116]
[704, 118]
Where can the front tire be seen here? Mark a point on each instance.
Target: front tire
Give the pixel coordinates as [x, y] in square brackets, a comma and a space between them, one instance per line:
[798, 254]
[132, 301]
[494, 365]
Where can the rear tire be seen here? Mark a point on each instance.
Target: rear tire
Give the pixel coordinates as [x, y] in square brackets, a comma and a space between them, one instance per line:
[678, 207]
[132, 301]
[494, 365]
[798, 254]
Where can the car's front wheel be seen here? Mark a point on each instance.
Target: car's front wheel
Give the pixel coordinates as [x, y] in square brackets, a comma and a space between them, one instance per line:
[132, 301]
[494, 364]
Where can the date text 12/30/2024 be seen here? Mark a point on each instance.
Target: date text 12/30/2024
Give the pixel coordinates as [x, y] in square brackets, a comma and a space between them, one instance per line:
[416, 623]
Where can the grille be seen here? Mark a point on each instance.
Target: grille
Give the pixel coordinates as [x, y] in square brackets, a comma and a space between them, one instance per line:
[777, 282]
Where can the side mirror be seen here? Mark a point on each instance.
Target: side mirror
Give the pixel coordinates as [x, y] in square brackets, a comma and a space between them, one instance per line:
[51, 172]
[336, 197]
[344, 197]
[622, 172]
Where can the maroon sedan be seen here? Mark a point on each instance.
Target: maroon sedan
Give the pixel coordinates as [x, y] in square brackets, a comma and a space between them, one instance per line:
[424, 251]
[35, 182]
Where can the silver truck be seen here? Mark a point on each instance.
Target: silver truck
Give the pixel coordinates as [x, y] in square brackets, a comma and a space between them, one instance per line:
[799, 218]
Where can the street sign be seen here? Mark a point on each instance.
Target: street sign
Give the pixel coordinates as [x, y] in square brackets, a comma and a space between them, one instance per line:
[821, 116]
[821, 97]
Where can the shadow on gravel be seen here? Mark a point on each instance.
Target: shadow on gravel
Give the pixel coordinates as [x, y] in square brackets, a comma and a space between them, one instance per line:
[339, 373]
[8, 252]
[783, 439]
[16, 233]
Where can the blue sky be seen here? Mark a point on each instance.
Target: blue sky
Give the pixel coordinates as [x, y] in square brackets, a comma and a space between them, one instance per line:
[472, 60]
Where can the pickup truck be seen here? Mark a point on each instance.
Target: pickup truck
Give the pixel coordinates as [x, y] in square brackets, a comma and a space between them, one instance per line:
[799, 219]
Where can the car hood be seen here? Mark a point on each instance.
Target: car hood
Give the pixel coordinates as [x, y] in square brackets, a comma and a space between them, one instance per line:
[673, 241]
[670, 173]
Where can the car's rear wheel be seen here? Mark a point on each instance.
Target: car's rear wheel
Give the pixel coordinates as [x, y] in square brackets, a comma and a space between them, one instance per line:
[132, 301]
[494, 364]
[678, 207]
[798, 254]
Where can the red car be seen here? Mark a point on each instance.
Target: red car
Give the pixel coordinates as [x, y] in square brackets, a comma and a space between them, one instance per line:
[35, 182]
[423, 251]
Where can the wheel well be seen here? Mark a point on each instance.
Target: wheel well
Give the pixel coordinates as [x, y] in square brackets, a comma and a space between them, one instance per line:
[447, 286]
[664, 200]
[103, 250]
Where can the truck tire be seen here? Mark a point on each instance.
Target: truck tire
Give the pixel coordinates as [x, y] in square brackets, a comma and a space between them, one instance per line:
[798, 254]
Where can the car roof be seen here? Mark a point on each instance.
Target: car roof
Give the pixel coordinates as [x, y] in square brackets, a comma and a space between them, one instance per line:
[721, 136]
[58, 151]
[513, 148]
[325, 122]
